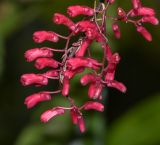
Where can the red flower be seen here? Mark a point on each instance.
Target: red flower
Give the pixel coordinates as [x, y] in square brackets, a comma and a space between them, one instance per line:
[37, 79]
[61, 19]
[32, 100]
[76, 10]
[35, 53]
[41, 36]
[93, 106]
[143, 31]
[47, 115]
[46, 62]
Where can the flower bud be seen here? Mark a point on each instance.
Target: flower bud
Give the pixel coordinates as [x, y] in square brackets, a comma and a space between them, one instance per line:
[41, 63]
[47, 115]
[150, 19]
[121, 13]
[143, 11]
[116, 30]
[118, 85]
[35, 53]
[81, 123]
[41, 36]
[29, 79]
[93, 106]
[143, 31]
[34, 99]
[74, 115]
[76, 10]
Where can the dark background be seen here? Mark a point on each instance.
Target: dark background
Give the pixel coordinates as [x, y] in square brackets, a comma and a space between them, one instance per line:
[129, 119]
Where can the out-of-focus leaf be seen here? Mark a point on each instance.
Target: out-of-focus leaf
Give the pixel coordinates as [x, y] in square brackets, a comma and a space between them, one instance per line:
[140, 126]
[1, 55]
[9, 17]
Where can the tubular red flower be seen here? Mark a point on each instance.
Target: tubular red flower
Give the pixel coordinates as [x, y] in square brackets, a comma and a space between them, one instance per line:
[109, 71]
[52, 73]
[76, 10]
[95, 90]
[41, 36]
[66, 86]
[74, 63]
[93, 106]
[61, 19]
[118, 85]
[143, 11]
[143, 31]
[74, 116]
[37, 79]
[84, 46]
[35, 53]
[34, 99]
[41, 63]
[47, 115]
[81, 123]
[150, 19]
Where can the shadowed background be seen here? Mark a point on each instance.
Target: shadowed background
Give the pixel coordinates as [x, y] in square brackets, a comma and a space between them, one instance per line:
[129, 119]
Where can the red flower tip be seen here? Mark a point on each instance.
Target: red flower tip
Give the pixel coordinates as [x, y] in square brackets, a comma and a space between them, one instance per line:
[136, 4]
[61, 19]
[37, 79]
[41, 63]
[93, 106]
[41, 36]
[47, 115]
[34, 53]
[110, 1]
[76, 10]
[32, 100]
[87, 78]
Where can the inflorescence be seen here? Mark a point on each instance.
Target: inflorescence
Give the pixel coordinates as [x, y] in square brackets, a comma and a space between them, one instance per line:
[77, 57]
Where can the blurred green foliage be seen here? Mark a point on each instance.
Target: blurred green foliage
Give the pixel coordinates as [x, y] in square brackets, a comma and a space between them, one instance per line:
[130, 119]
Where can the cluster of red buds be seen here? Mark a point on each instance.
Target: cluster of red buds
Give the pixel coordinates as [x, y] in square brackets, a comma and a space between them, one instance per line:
[77, 57]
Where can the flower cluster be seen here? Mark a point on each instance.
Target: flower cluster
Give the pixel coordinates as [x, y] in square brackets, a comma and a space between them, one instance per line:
[77, 57]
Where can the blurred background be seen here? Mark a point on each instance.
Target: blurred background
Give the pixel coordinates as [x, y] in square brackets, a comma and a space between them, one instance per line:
[129, 119]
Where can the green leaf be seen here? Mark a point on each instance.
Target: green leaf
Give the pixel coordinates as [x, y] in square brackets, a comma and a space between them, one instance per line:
[140, 126]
